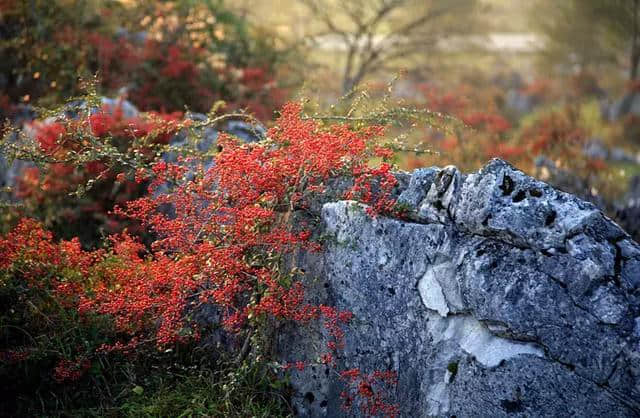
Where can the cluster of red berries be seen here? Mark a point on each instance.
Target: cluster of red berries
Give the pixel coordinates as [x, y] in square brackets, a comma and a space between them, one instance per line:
[219, 243]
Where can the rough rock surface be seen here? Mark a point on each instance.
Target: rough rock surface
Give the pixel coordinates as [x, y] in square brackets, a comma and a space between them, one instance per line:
[625, 212]
[498, 296]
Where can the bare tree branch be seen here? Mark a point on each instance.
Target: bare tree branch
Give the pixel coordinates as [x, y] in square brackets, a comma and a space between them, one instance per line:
[376, 31]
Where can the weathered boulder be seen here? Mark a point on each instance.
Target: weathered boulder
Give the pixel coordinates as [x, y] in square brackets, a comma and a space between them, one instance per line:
[625, 211]
[497, 296]
[567, 181]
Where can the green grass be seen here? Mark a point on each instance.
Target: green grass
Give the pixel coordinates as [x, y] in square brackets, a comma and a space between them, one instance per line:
[202, 393]
[194, 392]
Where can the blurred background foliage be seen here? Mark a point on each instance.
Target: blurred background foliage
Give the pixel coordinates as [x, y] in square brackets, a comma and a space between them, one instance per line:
[162, 55]
[550, 86]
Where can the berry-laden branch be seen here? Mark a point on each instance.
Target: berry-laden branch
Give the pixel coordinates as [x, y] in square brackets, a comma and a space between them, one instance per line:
[219, 238]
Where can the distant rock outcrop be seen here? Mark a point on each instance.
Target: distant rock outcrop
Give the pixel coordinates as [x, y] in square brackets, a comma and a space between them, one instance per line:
[498, 295]
[628, 210]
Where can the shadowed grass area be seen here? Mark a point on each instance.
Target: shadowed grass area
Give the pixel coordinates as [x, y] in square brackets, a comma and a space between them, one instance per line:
[202, 393]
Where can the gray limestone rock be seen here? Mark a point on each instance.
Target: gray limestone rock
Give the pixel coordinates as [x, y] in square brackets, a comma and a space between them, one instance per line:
[497, 296]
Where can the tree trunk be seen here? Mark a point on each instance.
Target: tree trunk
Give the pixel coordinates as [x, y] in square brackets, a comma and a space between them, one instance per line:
[350, 83]
[347, 85]
[347, 78]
